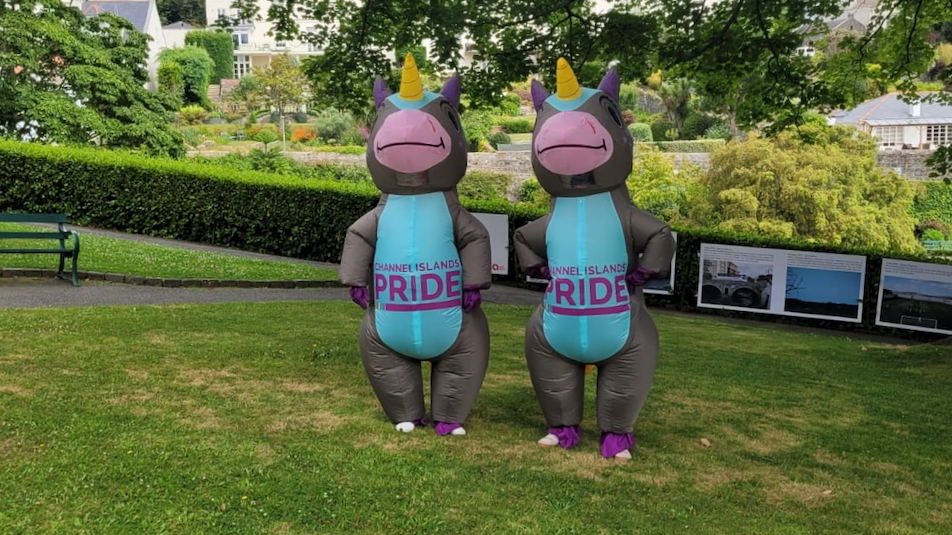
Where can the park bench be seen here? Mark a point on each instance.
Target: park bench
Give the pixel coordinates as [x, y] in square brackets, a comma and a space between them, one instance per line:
[61, 235]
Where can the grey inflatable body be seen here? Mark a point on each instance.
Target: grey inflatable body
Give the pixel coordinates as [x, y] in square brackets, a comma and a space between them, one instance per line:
[589, 244]
[418, 261]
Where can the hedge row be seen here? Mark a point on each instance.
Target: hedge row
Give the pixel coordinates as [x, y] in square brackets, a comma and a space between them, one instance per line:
[291, 216]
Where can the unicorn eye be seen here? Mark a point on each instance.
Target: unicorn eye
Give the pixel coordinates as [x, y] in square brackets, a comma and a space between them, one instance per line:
[613, 112]
[451, 115]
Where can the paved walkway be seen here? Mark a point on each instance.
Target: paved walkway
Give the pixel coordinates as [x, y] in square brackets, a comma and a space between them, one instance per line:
[50, 293]
[29, 292]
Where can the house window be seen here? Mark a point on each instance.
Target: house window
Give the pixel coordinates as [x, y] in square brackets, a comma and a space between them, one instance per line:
[889, 136]
[239, 39]
[939, 134]
[242, 66]
[219, 14]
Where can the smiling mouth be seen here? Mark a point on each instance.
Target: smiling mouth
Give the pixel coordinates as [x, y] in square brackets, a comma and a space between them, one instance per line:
[439, 145]
[575, 146]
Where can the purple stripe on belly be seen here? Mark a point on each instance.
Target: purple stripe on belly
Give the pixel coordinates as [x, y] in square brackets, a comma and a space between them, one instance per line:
[414, 307]
[592, 311]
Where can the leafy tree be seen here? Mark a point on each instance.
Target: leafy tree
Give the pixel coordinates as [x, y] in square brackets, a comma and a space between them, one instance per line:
[197, 68]
[190, 11]
[219, 47]
[249, 92]
[283, 85]
[171, 82]
[68, 78]
[827, 189]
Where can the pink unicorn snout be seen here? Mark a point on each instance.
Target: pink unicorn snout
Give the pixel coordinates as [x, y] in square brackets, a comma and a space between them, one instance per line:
[411, 141]
[572, 143]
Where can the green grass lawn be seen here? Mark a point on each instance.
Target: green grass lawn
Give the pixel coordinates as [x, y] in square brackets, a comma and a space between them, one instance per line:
[258, 418]
[110, 255]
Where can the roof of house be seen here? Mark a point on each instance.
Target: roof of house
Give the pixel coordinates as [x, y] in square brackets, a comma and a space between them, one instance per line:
[889, 110]
[135, 11]
[178, 26]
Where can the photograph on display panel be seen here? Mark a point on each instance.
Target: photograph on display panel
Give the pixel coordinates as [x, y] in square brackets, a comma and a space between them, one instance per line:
[736, 284]
[823, 292]
[916, 296]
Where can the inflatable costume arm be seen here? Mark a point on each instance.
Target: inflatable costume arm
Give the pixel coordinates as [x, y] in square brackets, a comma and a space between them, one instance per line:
[475, 255]
[529, 241]
[653, 238]
[358, 256]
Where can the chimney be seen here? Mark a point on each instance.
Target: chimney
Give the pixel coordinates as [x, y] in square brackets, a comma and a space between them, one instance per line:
[915, 109]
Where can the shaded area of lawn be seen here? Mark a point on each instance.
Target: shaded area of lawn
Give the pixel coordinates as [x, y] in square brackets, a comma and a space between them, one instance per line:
[258, 418]
[111, 255]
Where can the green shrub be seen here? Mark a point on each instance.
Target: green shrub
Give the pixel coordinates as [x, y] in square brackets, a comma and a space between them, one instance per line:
[477, 124]
[219, 46]
[933, 202]
[696, 125]
[171, 82]
[499, 138]
[933, 234]
[510, 105]
[516, 125]
[332, 124]
[718, 130]
[660, 130]
[484, 186]
[697, 145]
[932, 224]
[193, 114]
[628, 97]
[197, 68]
[640, 132]
[192, 137]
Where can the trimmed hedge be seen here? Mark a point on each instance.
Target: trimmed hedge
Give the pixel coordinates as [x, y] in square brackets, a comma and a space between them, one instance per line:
[302, 218]
[515, 125]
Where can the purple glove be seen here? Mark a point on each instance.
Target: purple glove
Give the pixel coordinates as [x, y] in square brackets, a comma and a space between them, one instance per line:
[539, 271]
[615, 443]
[568, 435]
[471, 297]
[360, 295]
[639, 277]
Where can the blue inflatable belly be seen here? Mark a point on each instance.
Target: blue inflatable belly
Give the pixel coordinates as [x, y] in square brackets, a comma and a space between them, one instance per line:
[418, 277]
[587, 312]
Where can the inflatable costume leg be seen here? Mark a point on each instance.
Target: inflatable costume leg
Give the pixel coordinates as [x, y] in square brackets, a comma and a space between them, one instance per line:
[559, 385]
[623, 384]
[458, 374]
[397, 381]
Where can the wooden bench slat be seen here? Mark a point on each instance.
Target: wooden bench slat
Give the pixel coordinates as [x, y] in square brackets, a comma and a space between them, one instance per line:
[32, 218]
[34, 235]
[36, 251]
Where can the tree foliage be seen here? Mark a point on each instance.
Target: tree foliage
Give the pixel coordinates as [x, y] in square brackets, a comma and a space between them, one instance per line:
[197, 68]
[190, 11]
[218, 44]
[827, 189]
[67, 78]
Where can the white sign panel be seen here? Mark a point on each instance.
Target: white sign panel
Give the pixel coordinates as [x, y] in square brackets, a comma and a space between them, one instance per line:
[498, 227]
[777, 281]
[915, 296]
[654, 286]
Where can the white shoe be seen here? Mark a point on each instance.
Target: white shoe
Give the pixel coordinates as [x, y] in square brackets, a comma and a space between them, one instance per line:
[548, 440]
[459, 431]
[406, 427]
[623, 456]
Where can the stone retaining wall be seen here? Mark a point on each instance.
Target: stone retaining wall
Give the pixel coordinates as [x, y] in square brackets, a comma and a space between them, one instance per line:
[910, 163]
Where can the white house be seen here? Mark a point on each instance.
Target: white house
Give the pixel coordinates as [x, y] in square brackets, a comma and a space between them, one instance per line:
[144, 15]
[175, 33]
[899, 125]
[253, 47]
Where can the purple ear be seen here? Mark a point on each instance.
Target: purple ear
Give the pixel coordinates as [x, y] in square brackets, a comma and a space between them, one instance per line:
[611, 84]
[381, 91]
[539, 94]
[451, 91]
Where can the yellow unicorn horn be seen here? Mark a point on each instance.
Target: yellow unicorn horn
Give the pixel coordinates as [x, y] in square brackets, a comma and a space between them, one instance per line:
[566, 84]
[411, 88]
